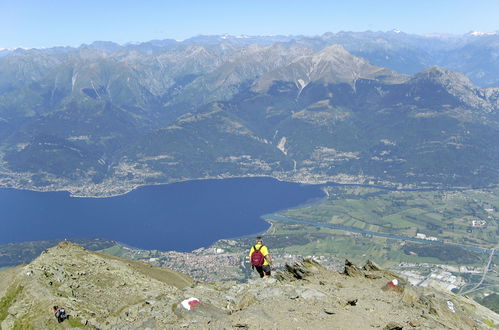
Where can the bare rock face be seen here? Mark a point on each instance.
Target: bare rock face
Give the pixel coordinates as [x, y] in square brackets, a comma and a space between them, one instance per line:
[299, 270]
[371, 267]
[352, 270]
[105, 292]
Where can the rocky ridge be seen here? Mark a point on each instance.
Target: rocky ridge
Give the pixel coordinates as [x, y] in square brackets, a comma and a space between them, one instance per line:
[105, 292]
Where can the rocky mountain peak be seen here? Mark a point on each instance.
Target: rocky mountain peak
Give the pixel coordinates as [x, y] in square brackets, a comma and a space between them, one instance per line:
[457, 85]
[443, 76]
[93, 287]
[335, 51]
[332, 64]
[105, 292]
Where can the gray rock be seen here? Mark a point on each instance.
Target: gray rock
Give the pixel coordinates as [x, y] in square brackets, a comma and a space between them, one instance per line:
[268, 293]
[312, 294]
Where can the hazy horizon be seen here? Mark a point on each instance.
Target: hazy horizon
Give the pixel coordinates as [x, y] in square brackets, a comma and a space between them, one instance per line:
[35, 24]
[429, 35]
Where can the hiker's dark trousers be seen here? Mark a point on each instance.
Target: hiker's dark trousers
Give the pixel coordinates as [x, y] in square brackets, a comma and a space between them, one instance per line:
[263, 270]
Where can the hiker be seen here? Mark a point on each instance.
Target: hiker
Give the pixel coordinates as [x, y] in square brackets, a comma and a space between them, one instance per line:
[260, 258]
[60, 314]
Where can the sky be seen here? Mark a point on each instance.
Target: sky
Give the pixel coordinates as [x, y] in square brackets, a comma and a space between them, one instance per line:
[48, 23]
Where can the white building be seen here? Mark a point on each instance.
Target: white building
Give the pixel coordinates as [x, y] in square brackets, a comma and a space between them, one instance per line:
[478, 223]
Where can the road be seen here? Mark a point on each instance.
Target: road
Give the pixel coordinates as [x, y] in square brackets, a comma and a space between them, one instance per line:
[485, 270]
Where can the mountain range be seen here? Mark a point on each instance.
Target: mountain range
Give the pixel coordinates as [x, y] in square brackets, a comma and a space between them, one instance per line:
[382, 108]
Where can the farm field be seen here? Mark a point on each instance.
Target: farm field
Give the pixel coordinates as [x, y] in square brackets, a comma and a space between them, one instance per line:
[469, 217]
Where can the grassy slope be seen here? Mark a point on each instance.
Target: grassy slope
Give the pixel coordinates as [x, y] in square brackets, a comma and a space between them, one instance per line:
[6, 277]
[161, 274]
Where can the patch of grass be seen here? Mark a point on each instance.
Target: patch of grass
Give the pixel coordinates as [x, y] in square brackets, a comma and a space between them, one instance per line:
[22, 324]
[115, 250]
[161, 274]
[7, 300]
[489, 323]
[75, 322]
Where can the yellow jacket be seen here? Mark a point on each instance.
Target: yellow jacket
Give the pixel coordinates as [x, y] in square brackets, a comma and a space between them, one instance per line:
[264, 250]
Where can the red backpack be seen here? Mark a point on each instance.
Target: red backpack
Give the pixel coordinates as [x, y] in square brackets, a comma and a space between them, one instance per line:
[257, 257]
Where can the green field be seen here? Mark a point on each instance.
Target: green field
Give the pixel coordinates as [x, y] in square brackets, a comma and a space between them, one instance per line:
[468, 217]
[299, 239]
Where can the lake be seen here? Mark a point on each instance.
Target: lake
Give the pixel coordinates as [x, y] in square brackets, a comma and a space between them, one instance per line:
[180, 216]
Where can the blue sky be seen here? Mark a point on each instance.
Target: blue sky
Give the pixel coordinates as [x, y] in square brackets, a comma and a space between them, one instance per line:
[46, 23]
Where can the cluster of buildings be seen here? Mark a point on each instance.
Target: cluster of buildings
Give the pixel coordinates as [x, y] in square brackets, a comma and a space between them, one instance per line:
[428, 238]
[206, 267]
[429, 275]
[444, 279]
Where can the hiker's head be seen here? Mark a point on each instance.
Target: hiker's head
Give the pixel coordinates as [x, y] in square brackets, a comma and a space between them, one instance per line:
[55, 307]
[259, 239]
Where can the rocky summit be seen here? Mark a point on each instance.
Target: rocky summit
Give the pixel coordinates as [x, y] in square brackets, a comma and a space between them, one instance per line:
[100, 291]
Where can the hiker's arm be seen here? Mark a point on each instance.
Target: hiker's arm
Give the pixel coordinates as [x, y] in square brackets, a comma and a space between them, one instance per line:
[269, 259]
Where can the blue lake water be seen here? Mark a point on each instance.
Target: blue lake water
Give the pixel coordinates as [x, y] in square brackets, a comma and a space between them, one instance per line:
[181, 216]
